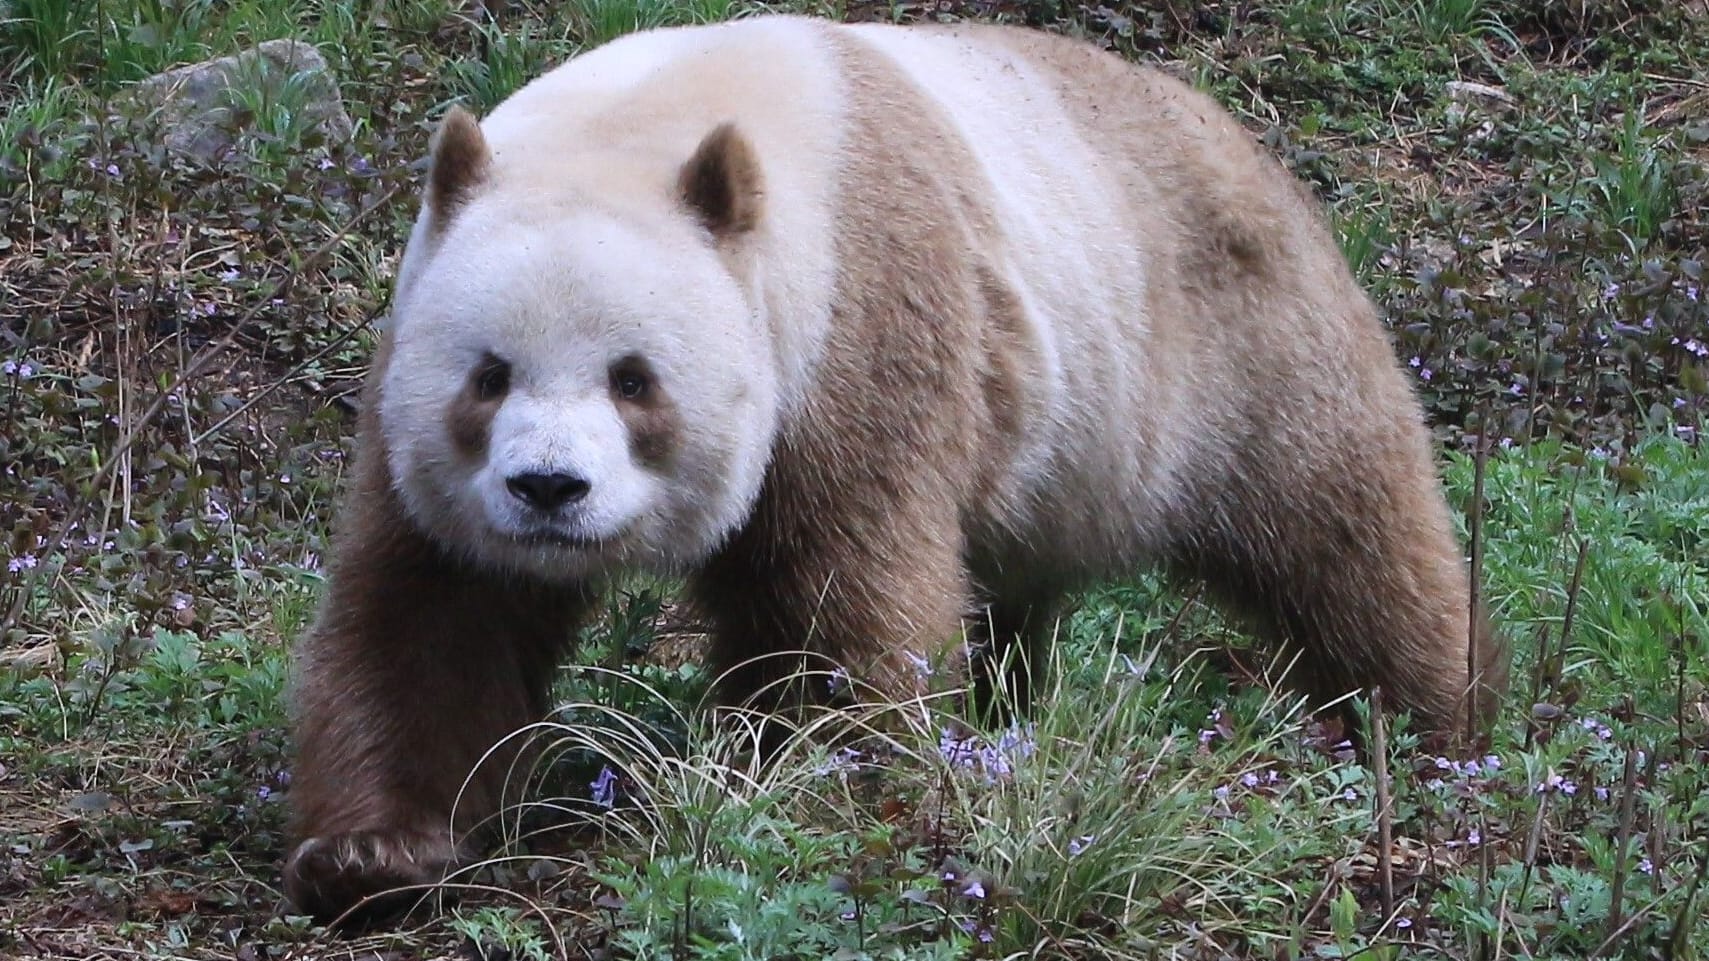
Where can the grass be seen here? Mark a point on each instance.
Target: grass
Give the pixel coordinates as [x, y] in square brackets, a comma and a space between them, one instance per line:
[179, 345]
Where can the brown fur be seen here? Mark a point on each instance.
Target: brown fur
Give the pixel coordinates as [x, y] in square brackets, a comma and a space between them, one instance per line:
[883, 519]
[417, 665]
[722, 184]
[460, 162]
[653, 425]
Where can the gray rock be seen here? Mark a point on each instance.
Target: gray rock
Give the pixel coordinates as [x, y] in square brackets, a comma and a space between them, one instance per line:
[281, 87]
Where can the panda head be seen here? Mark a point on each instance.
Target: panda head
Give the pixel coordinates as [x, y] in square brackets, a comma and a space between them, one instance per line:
[576, 379]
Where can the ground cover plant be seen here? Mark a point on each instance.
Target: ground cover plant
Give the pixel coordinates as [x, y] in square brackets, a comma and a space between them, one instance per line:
[1523, 187]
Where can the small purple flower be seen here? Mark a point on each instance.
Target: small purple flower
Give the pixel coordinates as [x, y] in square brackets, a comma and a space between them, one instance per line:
[1425, 374]
[1691, 293]
[1686, 432]
[1221, 792]
[1351, 794]
[230, 275]
[263, 792]
[23, 370]
[112, 170]
[1646, 866]
[1018, 742]
[922, 667]
[1554, 782]
[974, 889]
[1444, 764]
[1611, 291]
[980, 931]
[838, 680]
[1207, 735]
[1250, 779]
[325, 163]
[1601, 793]
[1415, 361]
[605, 787]
[1403, 923]
[22, 562]
[1078, 846]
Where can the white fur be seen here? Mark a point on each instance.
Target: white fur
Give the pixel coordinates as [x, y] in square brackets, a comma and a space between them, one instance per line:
[574, 254]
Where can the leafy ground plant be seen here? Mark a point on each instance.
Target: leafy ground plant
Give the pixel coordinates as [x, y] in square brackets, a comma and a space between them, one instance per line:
[1520, 185]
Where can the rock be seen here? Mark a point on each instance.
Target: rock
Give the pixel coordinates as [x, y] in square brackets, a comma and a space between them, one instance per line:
[201, 107]
[1481, 94]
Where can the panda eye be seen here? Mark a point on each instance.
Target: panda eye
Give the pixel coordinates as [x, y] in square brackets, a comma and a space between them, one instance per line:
[492, 378]
[630, 380]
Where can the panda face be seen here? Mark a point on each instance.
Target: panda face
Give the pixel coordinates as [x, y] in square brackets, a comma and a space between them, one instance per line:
[571, 391]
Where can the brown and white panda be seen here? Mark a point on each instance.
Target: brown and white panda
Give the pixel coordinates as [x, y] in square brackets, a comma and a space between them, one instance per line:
[858, 327]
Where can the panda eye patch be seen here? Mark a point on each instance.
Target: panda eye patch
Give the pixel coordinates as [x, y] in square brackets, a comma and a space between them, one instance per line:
[492, 378]
[631, 378]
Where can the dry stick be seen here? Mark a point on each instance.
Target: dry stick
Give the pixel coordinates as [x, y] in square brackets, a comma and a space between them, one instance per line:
[1486, 867]
[1540, 666]
[1385, 814]
[1622, 840]
[198, 364]
[1679, 939]
[1573, 590]
[1679, 688]
[1472, 615]
[1533, 841]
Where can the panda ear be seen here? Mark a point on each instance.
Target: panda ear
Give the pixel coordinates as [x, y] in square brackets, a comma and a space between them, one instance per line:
[721, 183]
[459, 163]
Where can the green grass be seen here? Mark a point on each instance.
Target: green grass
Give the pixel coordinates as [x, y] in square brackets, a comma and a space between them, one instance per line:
[1540, 265]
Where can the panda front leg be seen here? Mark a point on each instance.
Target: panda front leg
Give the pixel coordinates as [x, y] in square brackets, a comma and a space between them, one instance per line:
[872, 588]
[415, 669]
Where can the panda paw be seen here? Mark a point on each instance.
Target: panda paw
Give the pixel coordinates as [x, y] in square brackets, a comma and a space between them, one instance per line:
[362, 878]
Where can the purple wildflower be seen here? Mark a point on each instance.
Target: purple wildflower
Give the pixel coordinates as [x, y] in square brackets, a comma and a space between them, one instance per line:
[1078, 846]
[974, 889]
[1691, 293]
[1611, 291]
[1646, 866]
[1351, 794]
[263, 792]
[1250, 779]
[22, 562]
[838, 680]
[980, 931]
[605, 787]
[1403, 923]
[922, 667]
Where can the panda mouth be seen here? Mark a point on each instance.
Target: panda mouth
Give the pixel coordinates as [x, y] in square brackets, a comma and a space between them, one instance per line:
[549, 537]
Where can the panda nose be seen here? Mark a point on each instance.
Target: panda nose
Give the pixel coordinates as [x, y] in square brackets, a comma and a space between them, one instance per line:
[546, 491]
